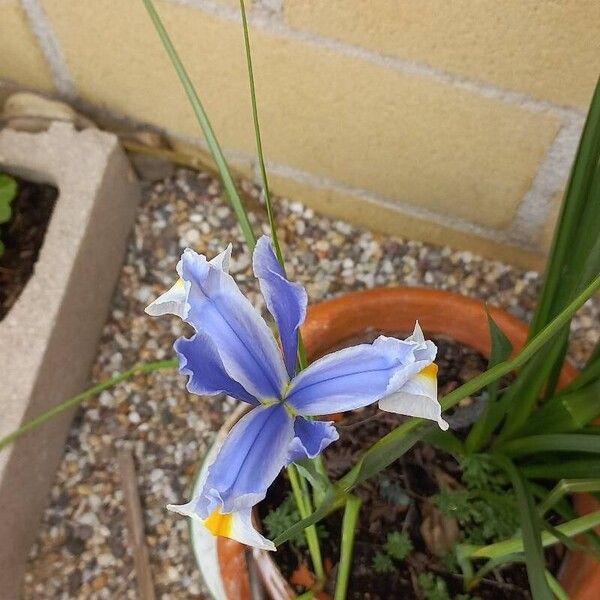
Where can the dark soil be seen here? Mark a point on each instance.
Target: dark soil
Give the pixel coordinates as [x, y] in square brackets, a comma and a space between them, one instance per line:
[417, 473]
[23, 236]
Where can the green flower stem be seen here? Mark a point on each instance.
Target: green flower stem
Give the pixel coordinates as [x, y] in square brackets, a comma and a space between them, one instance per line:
[209, 134]
[311, 532]
[75, 400]
[259, 149]
[351, 512]
[515, 545]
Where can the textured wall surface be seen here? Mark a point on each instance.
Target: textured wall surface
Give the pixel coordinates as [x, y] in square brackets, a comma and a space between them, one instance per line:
[451, 121]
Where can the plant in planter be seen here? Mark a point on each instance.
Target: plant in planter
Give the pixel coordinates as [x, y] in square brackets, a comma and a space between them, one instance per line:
[8, 191]
[533, 442]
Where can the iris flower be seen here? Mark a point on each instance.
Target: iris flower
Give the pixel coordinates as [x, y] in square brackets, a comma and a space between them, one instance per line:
[234, 352]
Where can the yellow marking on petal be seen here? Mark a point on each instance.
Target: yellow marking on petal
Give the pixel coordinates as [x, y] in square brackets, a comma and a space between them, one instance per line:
[219, 524]
[429, 371]
[179, 284]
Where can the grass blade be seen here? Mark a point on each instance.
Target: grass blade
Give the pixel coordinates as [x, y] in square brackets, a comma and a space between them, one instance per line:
[493, 413]
[564, 469]
[559, 442]
[79, 398]
[207, 129]
[570, 217]
[259, 148]
[568, 412]
[532, 537]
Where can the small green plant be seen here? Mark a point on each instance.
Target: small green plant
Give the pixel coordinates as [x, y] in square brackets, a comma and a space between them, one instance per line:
[435, 588]
[397, 547]
[8, 191]
[486, 508]
[283, 517]
[382, 563]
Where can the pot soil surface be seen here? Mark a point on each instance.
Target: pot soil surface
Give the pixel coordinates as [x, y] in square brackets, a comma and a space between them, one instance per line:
[405, 502]
[23, 236]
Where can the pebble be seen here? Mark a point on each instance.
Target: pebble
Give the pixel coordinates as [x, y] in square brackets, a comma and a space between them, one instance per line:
[81, 551]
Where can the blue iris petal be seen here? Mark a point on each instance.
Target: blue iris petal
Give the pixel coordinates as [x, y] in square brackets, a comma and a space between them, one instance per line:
[312, 437]
[285, 300]
[244, 342]
[254, 452]
[353, 377]
[200, 360]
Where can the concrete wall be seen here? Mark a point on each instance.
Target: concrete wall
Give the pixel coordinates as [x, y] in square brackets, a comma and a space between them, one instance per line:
[453, 121]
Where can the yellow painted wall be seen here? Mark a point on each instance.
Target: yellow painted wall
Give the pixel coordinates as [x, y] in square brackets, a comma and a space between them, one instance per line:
[452, 121]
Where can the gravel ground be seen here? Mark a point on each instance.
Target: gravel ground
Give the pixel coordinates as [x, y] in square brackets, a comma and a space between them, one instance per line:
[81, 550]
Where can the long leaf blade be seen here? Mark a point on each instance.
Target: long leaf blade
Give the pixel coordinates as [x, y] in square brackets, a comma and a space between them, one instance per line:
[206, 126]
[532, 537]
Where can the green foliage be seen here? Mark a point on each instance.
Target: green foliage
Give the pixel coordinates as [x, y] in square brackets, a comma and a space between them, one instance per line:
[435, 588]
[479, 472]
[486, 508]
[398, 545]
[283, 517]
[382, 563]
[8, 192]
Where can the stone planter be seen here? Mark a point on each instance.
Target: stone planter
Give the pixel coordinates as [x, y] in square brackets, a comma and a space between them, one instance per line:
[224, 562]
[49, 338]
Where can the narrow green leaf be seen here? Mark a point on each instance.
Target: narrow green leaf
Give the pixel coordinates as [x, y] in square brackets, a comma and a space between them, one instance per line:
[492, 415]
[558, 273]
[207, 129]
[532, 541]
[384, 452]
[257, 135]
[309, 470]
[557, 442]
[564, 487]
[332, 501]
[566, 412]
[445, 440]
[589, 374]
[574, 260]
[79, 398]
[555, 587]
[563, 469]
[514, 545]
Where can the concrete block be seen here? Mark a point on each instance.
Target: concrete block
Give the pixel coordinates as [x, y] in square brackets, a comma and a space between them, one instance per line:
[49, 339]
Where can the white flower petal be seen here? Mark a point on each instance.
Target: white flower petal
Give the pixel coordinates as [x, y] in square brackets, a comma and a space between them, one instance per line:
[236, 526]
[417, 398]
[174, 300]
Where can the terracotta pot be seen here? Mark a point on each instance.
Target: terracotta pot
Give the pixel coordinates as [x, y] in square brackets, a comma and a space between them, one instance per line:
[388, 310]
